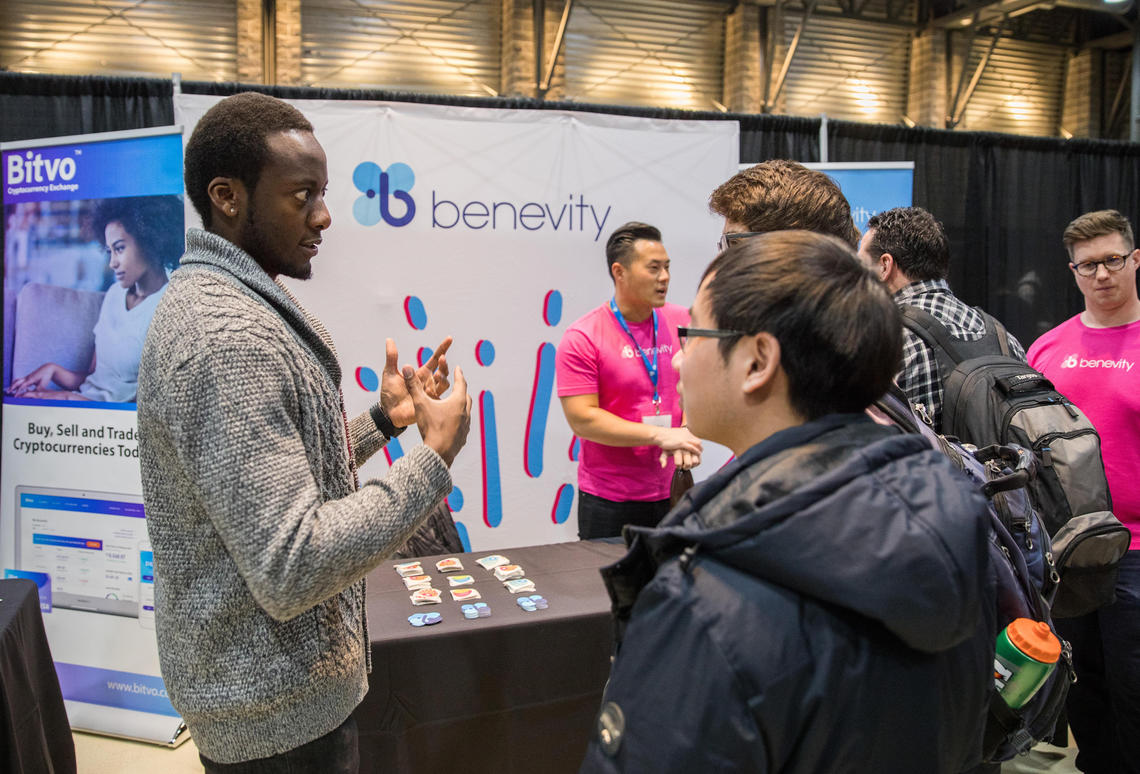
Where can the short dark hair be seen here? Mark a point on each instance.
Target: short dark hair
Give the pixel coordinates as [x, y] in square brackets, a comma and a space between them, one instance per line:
[619, 247]
[915, 239]
[155, 222]
[1097, 224]
[781, 194]
[231, 140]
[840, 334]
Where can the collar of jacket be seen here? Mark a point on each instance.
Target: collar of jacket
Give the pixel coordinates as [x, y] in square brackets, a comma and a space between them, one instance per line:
[207, 251]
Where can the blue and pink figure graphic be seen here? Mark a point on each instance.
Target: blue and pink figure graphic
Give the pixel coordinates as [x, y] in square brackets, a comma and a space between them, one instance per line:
[539, 409]
[563, 502]
[367, 379]
[484, 353]
[489, 443]
[538, 416]
[552, 308]
[415, 313]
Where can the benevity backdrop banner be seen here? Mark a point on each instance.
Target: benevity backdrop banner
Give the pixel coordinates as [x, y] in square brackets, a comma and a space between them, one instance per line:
[490, 226]
[71, 513]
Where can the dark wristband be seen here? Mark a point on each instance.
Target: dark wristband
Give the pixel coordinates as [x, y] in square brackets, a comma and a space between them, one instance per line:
[383, 423]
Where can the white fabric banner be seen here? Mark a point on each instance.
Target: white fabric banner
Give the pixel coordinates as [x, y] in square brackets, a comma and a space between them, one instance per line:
[490, 226]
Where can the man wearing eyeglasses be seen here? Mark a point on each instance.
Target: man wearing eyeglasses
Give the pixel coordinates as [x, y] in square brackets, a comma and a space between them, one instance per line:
[907, 249]
[1091, 359]
[619, 391]
[812, 591]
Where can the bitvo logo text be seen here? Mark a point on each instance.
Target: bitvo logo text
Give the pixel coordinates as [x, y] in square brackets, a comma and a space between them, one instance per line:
[34, 168]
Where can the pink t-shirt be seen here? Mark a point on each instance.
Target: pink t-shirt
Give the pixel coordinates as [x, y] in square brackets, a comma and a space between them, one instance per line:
[596, 356]
[1096, 369]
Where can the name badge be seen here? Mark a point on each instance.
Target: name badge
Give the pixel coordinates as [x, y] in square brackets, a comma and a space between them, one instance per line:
[660, 420]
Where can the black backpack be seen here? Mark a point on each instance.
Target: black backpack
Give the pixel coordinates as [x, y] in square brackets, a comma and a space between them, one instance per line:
[1021, 570]
[991, 397]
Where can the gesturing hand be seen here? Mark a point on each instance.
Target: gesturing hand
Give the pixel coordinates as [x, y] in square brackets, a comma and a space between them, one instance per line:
[443, 422]
[394, 396]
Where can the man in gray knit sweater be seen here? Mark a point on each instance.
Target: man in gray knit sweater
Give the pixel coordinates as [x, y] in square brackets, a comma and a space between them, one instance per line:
[262, 533]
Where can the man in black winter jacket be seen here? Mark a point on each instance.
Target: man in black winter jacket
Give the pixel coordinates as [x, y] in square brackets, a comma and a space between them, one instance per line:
[820, 604]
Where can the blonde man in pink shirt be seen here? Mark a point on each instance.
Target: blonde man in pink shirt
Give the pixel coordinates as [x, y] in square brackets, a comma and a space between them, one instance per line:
[1091, 359]
[619, 390]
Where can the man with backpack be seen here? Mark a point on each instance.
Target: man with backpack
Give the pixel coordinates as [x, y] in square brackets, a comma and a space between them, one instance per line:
[1090, 358]
[907, 249]
[821, 604]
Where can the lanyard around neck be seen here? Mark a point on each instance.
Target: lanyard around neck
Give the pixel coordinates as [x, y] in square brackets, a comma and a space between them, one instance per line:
[650, 365]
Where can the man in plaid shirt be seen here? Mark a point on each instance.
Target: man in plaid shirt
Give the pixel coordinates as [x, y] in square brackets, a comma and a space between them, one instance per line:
[908, 250]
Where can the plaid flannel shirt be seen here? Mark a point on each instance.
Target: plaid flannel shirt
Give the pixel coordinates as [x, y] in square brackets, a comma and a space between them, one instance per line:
[920, 377]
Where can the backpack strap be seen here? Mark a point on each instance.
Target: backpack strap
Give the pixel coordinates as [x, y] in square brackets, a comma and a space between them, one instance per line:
[927, 327]
[994, 328]
[951, 351]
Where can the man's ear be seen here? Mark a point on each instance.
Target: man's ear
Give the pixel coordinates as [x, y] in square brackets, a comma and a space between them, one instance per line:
[227, 197]
[763, 363]
[886, 268]
[616, 270]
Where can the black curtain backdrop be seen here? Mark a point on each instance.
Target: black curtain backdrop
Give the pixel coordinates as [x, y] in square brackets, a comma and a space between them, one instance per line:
[1003, 199]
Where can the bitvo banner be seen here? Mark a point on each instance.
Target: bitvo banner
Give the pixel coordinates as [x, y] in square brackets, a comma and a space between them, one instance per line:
[93, 226]
[490, 226]
[871, 187]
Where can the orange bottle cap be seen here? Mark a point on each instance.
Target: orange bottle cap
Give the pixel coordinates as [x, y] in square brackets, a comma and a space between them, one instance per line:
[1035, 639]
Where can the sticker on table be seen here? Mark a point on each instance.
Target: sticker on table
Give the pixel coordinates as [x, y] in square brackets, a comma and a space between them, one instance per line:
[409, 568]
[462, 595]
[509, 572]
[427, 596]
[477, 610]
[519, 585]
[450, 564]
[460, 580]
[492, 561]
[413, 582]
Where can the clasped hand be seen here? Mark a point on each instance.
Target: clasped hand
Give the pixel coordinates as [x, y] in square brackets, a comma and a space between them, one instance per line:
[412, 395]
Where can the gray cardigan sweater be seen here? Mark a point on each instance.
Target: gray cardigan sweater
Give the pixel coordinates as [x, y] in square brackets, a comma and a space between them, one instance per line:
[261, 535]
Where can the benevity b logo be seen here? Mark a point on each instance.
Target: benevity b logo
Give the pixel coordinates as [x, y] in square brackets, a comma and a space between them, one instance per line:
[379, 188]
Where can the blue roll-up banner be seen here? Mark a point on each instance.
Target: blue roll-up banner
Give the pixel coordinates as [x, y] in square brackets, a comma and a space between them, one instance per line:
[871, 187]
[92, 227]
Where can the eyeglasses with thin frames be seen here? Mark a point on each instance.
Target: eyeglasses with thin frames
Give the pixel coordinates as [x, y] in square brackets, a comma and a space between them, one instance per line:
[1090, 268]
[728, 240]
[684, 333]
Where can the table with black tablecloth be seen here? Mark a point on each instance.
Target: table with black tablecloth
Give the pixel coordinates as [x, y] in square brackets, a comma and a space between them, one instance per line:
[515, 692]
[34, 732]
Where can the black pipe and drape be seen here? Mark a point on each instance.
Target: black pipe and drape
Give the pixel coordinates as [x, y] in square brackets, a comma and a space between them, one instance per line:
[1003, 199]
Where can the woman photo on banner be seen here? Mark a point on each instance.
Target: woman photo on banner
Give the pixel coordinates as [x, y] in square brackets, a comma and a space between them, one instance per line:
[143, 239]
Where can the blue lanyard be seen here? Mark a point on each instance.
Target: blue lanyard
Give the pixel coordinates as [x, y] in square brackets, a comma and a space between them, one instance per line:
[650, 366]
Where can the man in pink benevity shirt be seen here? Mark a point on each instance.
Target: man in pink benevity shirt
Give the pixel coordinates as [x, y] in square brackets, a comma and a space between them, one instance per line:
[1091, 359]
[619, 391]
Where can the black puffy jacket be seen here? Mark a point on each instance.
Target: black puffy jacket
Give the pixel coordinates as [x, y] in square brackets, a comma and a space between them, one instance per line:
[819, 605]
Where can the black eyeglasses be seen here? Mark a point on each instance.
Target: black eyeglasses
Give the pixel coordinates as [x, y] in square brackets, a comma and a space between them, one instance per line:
[684, 333]
[728, 240]
[1090, 268]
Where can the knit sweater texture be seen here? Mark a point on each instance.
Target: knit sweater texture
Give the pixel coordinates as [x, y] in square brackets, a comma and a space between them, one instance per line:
[261, 535]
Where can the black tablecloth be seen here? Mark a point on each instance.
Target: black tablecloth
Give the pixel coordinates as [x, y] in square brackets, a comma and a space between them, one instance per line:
[515, 692]
[34, 731]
